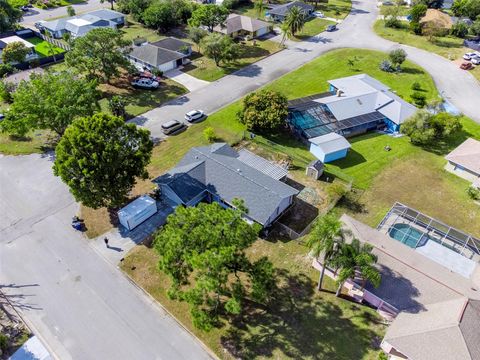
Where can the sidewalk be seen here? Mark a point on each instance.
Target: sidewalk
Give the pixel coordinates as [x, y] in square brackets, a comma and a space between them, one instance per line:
[121, 241]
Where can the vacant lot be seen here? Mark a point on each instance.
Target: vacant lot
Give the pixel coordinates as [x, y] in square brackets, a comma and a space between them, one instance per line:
[299, 324]
[250, 51]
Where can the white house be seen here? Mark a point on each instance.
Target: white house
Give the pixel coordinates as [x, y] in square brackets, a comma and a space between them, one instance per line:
[11, 39]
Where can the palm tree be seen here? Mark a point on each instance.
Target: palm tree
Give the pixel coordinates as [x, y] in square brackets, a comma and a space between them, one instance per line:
[285, 31]
[259, 7]
[355, 260]
[325, 237]
[295, 19]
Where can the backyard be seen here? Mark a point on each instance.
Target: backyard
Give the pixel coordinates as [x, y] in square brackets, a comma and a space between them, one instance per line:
[44, 48]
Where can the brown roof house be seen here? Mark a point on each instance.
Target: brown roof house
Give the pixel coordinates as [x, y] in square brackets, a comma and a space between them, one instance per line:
[464, 161]
[239, 25]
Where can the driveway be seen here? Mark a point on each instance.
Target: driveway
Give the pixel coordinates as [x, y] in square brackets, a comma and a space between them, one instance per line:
[190, 82]
[458, 86]
[80, 305]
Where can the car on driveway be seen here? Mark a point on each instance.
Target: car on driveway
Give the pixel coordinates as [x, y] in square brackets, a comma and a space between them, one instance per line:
[469, 56]
[331, 28]
[144, 83]
[318, 14]
[466, 66]
[195, 115]
[172, 127]
[475, 60]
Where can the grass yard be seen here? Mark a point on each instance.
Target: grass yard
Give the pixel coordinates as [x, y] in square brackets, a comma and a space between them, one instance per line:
[34, 142]
[136, 30]
[44, 48]
[205, 69]
[300, 323]
[312, 27]
[337, 9]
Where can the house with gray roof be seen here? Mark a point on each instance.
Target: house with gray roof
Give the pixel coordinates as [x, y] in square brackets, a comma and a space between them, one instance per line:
[279, 12]
[240, 25]
[164, 55]
[79, 25]
[218, 173]
[464, 161]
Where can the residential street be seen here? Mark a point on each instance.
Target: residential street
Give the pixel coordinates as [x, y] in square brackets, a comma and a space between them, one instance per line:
[456, 85]
[80, 305]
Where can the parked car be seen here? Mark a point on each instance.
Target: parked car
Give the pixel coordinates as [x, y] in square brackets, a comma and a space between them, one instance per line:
[331, 28]
[466, 66]
[24, 8]
[144, 83]
[2, 117]
[172, 126]
[318, 14]
[469, 56]
[475, 60]
[195, 115]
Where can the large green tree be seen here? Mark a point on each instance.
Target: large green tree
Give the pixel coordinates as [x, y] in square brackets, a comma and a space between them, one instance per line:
[9, 16]
[99, 54]
[468, 8]
[160, 15]
[295, 20]
[50, 101]
[209, 15]
[324, 240]
[133, 7]
[356, 260]
[196, 35]
[424, 128]
[220, 48]
[203, 251]
[15, 52]
[100, 157]
[264, 110]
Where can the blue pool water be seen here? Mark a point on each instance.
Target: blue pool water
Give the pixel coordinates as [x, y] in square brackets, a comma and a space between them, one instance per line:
[405, 234]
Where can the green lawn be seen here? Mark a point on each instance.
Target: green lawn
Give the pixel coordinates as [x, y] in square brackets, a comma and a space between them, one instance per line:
[205, 69]
[43, 48]
[312, 27]
[337, 9]
[34, 142]
[135, 30]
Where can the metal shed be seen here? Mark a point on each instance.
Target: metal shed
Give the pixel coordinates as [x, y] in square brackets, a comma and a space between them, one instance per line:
[137, 212]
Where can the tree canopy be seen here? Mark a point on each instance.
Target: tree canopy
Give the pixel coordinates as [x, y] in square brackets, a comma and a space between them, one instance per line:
[397, 57]
[166, 14]
[264, 110]
[14, 52]
[9, 16]
[133, 7]
[220, 48]
[468, 8]
[100, 157]
[50, 101]
[424, 127]
[209, 15]
[203, 251]
[99, 54]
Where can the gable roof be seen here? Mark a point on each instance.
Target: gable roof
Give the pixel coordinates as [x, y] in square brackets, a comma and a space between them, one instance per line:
[55, 25]
[330, 143]
[237, 22]
[467, 155]
[154, 55]
[445, 330]
[216, 168]
[361, 94]
[11, 39]
[171, 43]
[106, 14]
[282, 10]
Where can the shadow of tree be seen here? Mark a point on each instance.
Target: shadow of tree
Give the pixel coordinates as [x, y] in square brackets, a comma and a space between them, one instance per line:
[299, 323]
[444, 146]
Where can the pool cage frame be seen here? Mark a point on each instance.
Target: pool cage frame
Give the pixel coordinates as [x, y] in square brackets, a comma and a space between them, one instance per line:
[456, 240]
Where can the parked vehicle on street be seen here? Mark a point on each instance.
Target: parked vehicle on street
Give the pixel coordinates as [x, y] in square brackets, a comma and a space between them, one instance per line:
[144, 83]
[195, 115]
[476, 60]
[466, 66]
[172, 126]
[469, 56]
[331, 28]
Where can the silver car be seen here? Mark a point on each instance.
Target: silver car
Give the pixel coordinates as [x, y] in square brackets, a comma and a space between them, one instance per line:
[172, 126]
[195, 115]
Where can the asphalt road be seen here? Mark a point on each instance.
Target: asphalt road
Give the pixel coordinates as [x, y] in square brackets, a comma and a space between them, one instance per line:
[80, 305]
[456, 85]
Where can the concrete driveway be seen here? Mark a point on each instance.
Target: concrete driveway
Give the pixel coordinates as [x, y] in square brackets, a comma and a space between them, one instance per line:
[190, 82]
[456, 85]
[80, 305]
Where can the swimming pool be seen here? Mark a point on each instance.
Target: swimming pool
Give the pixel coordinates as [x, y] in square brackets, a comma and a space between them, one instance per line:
[406, 234]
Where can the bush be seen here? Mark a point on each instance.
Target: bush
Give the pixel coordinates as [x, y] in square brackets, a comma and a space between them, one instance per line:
[416, 86]
[386, 66]
[473, 192]
[419, 98]
[157, 72]
[231, 4]
[415, 28]
[3, 342]
[6, 91]
[6, 69]
[460, 30]
[336, 190]
[209, 134]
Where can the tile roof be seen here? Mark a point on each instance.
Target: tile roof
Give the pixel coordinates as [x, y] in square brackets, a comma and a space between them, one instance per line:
[216, 168]
[467, 155]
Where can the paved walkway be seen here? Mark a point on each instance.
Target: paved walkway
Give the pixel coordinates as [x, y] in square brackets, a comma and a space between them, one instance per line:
[454, 84]
[190, 82]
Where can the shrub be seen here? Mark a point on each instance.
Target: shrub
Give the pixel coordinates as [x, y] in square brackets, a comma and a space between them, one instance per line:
[231, 4]
[460, 30]
[415, 28]
[336, 190]
[3, 342]
[419, 98]
[157, 72]
[397, 57]
[6, 91]
[473, 192]
[209, 134]
[386, 65]
[6, 69]
[117, 107]
[416, 86]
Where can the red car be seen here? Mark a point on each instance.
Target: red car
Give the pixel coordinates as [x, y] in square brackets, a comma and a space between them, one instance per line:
[466, 66]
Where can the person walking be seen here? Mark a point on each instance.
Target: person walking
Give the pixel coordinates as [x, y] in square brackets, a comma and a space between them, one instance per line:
[106, 242]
